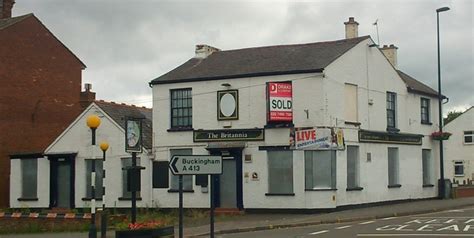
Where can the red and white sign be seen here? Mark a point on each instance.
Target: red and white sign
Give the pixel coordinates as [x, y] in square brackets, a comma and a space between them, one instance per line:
[312, 138]
[280, 102]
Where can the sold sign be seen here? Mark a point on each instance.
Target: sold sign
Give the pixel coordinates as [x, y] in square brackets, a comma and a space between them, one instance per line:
[280, 95]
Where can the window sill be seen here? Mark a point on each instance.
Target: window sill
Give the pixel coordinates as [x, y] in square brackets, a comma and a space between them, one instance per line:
[279, 194]
[428, 185]
[393, 130]
[279, 125]
[177, 191]
[352, 123]
[27, 199]
[394, 186]
[177, 129]
[128, 199]
[426, 123]
[321, 189]
[355, 189]
[459, 175]
[89, 199]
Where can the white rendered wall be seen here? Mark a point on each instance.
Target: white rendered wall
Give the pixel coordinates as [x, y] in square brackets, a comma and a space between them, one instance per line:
[77, 139]
[456, 150]
[322, 96]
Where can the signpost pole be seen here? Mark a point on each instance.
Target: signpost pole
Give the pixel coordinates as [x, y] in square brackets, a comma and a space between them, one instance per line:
[180, 206]
[195, 165]
[211, 185]
[134, 193]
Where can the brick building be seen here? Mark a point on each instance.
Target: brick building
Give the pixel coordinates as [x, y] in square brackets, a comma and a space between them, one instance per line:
[41, 89]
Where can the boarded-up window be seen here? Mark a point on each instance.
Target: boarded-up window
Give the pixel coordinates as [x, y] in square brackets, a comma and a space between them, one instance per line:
[160, 174]
[29, 179]
[393, 167]
[350, 107]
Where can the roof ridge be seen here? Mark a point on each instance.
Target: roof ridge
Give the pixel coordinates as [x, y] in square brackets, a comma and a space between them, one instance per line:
[299, 44]
[122, 104]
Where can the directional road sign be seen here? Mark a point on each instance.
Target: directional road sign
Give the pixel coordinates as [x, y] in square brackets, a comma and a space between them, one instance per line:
[195, 164]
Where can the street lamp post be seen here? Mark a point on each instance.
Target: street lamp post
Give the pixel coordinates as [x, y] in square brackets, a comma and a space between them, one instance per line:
[93, 123]
[440, 102]
[103, 220]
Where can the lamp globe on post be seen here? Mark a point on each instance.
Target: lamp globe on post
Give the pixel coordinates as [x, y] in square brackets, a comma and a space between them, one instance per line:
[104, 146]
[93, 122]
[442, 184]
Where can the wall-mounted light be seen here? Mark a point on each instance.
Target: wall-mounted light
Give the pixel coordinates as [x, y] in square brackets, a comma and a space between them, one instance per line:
[226, 85]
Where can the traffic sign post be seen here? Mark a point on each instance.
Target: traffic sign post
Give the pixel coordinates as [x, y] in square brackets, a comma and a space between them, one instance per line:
[195, 165]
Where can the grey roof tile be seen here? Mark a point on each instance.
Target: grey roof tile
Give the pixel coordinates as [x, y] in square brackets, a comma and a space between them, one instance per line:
[260, 61]
[119, 113]
[416, 86]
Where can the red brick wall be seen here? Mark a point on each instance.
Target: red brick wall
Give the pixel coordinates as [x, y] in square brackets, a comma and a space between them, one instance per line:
[40, 84]
[464, 191]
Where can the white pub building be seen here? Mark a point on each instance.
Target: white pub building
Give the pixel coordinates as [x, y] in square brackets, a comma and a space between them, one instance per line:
[306, 126]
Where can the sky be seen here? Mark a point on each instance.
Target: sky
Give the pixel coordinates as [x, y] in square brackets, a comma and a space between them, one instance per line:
[127, 43]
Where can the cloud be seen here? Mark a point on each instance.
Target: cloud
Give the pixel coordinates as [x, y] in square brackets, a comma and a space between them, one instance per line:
[125, 44]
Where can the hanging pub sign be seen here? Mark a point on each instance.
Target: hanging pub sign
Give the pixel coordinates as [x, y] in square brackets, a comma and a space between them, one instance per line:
[313, 138]
[133, 135]
[279, 102]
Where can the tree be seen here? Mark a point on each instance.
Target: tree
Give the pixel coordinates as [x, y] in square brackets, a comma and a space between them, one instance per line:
[451, 116]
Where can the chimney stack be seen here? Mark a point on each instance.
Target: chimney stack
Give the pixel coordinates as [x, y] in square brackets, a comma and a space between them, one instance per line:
[352, 28]
[6, 8]
[390, 53]
[87, 97]
[203, 51]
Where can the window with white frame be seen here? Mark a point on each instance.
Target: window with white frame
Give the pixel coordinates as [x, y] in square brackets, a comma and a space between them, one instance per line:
[320, 169]
[29, 178]
[425, 110]
[181, 108]
[427, 164]
[353, 167]
[393, 168]
[187, 179]
[350, 105]
[458, 168]
[391, 110]
[468, 137]
[99, 189]
[127, 162]
[280, 172]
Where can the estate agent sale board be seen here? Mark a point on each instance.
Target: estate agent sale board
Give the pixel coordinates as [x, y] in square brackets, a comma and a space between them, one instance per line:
[280, 108]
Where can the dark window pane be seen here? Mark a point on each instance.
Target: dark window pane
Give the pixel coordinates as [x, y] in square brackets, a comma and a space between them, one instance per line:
[160, 174]
[202, 180]
[127, 162]
[181, 108]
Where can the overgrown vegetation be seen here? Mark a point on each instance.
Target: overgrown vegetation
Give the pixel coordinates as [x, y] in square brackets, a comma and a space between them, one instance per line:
[451, 116]
[147, 217]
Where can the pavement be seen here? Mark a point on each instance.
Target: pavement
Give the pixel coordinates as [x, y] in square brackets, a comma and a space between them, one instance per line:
[258, 222]
[262, 222]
